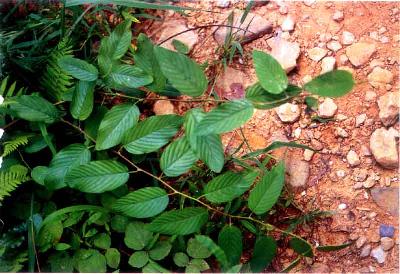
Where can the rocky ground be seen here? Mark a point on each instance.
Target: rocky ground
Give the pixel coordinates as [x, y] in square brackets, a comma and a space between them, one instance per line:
[355, 171]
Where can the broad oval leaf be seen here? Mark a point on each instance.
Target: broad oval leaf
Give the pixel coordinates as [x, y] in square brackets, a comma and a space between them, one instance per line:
[113, 257]
[137, 235]
[118, 42]
[226, 187]
[334, 83]
[117, 121]
[180, 221]
[67, 158]
[182, 72]
[208, 148]
[160, 250]
[90, 260]
[177, 158]
[262, 99]
[301, 246]
[197, 250]
[82, 100]
[266, 193]
[152, 133]
[230, 240]
[143, 203]
[214, 249]
[34, 109]
[97, 176]
[127, 76]
[264, 251]
[78, 68]
[139, 259]
[269, 72]
[225, 117]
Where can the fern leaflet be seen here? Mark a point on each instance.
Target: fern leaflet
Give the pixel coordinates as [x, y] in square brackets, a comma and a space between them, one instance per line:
[11, 179]
[13, 145]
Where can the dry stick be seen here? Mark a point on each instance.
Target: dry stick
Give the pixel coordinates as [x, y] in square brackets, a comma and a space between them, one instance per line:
[174, 191]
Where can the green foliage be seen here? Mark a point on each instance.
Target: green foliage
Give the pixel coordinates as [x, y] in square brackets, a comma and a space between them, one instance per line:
[230, 240]
[12, 145]
[264, 251]
[82, 100]
[334, 83]
[78, 69]
[11, 178]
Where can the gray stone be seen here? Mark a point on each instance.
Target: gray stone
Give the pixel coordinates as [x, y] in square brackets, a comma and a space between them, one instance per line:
[254, 26]
[189, 38]
[288, 24]
[387, 198]
[378, 254]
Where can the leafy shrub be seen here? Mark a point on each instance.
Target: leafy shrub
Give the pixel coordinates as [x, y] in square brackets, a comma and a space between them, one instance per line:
[141, 192]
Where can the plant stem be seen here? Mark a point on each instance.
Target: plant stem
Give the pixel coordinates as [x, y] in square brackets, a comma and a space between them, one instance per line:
[167, 99]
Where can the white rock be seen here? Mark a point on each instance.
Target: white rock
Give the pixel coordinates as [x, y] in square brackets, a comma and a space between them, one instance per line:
[327, 109]
[370, 96]
[285, 52]
[223, 3]
[297, 132]
[288, 24]
[365, 251]
[338, 16]
[309, 3]
[374, 35]
[297, 171]
[387, 243]
[360, 119]
[341, 132]
[379, 77]
[343, 59]
[384, 149]
[334, 45]
[317, 53]
[342, 206]
[389, 106]
[327, 64]
[352, 158]
[359, 53]
[1, 132]
[347, 38]
[378, 254]
[376, 63]
[288, 113]
[308, 154]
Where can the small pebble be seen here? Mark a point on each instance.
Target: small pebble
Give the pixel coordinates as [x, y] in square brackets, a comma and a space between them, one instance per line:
[387, 243]
[342, 206]
[352, 158]
[386, 231]
[378, 254]
[338, 16]
[361, 241]
[365, 251]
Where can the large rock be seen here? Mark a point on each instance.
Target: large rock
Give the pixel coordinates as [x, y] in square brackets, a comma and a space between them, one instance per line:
[387, 198]
[288, 113]
[170, 28]
[316, 53]
[389, 106]
[254, 26]
[384, 149]
[379, 77]
[327, 109]
[231, 84]
[285, 52]
[327, 64]
[359, 53]
[297, 172]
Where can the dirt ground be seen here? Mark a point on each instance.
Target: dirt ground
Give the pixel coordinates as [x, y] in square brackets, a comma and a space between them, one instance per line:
[324, 189]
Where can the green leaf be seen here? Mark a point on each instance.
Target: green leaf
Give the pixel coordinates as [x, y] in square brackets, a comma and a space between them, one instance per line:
[207, 148]
[225, 117]
[226, 187]
[115, 124]
[333, 247]
[264, 251]
[97, 176]
[235, 269]
[61, 262]
[82, 100]
[152, 133]
[90, 260]
[143, 203]
[334, 83]
[160, 250]
[262, 99]
[181, 259]
[113, 257]
[311, 102]
[177, 158]
[119, 223]
[62, 246]
[197, 250]
[266, 193]
[137, 235]
[196, 266]
[102, 241]
[230, 240]
[214, 249]
[145, 59]
[49, 235]
[78, 69]
[153, 267]
[180, 47]
[117, 44]
[127, 76]
[182, 72]
[180, 221]
[34, 109]
[139, 259]
[301, 246]
[269, 72]
[128, 3]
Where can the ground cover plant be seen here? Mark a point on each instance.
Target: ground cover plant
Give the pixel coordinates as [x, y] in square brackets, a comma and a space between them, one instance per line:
[90, 181]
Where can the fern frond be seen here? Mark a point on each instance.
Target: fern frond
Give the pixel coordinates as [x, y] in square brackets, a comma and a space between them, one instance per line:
[54, 80]
[14, 144]
[10, 91]
[11, 179]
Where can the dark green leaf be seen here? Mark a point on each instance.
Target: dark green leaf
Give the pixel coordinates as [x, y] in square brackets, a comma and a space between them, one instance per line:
[117, 44]
[196, 266]
[334, 83]
[269, 72]
[119, 223]
[301, 246]
[182, 72]
[333, 247]
[97, 176]
[152, 133]
[113, 257]
[225, 117]
[139, 259]
[181, 259]
[78, 69]
[230, 240]
[127, 76]
[143, 203]
[82, 100]
[61, 262]
[197, 250]
[160, 250]
[264, 251]
[116, 123]
[180, 222]
[127, 3]
[214, 249]
[137, 235]
[49, 235]
[102, 241]
[90, 260]
[180, 47]
[266, 192]
[177, 158]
